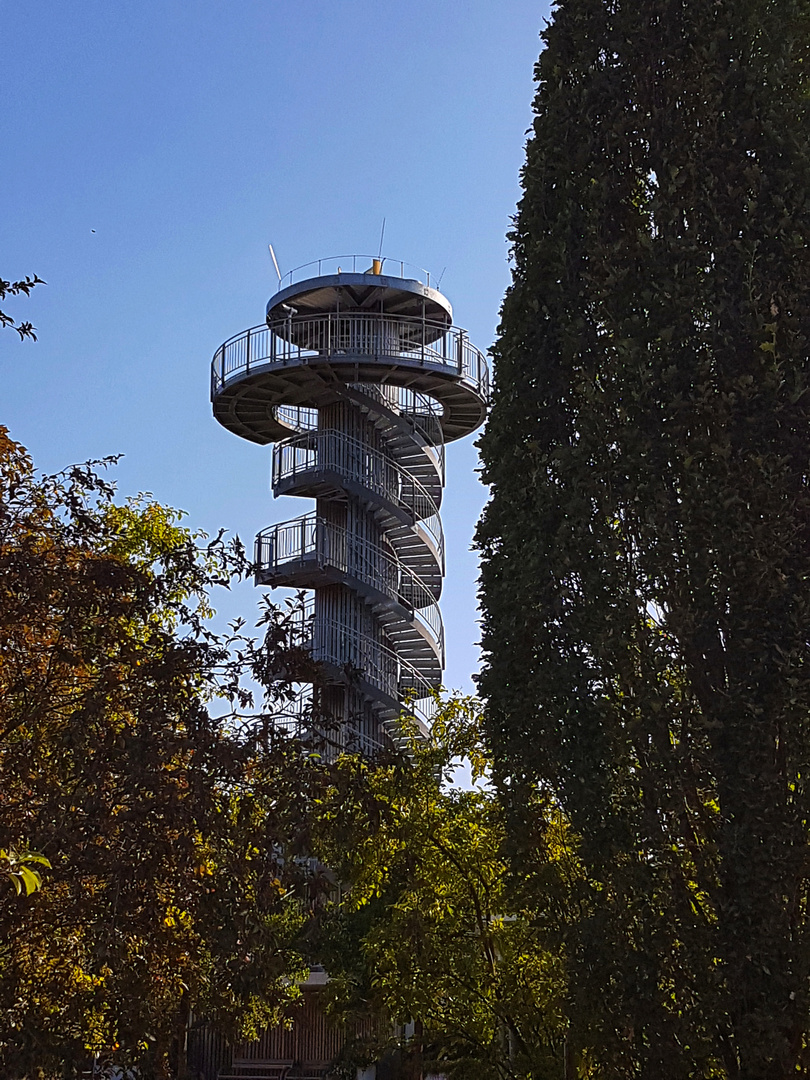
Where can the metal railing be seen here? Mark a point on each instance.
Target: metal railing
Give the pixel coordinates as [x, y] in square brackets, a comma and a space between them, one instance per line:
[373, 336]
[297, 417]
[326, 544]
[421, 411]
[331, 642]
[299, 718]
[353, 264]
[339, 645]
[353, 460]
[434, 531]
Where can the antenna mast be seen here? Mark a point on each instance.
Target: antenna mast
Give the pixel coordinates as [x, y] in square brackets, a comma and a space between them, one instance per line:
[275, 260]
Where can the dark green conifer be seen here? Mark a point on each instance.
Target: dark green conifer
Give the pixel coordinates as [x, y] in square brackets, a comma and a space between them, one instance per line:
[646, 549]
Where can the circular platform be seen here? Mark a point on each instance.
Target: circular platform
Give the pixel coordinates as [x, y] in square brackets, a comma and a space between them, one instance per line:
[259, 370]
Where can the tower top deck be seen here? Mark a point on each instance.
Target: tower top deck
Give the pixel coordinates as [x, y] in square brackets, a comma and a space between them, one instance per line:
[358, 283]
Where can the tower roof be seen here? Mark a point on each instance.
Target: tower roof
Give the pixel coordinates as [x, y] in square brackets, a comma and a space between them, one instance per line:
[378, 293]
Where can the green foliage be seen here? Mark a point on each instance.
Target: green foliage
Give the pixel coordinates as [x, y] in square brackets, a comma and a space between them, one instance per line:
[645, 550]
[132, 761]
[425, 932]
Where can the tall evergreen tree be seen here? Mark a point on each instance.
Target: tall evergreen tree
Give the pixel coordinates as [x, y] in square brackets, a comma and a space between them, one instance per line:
[646, 549]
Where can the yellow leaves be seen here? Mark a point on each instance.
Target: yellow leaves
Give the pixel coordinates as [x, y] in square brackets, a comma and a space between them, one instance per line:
[16, 867]
[178, 918]
[770, 345]
[82, 980]
[457, 729]
[560, 842]
[144, 530]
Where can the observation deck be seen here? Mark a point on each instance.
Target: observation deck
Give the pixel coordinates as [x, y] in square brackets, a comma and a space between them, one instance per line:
[359, 378]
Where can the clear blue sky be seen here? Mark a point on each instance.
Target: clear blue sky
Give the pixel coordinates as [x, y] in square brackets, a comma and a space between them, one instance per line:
[152, 149]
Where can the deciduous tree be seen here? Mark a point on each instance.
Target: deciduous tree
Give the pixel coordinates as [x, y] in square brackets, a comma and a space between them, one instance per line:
[173, 816]
[426, 946]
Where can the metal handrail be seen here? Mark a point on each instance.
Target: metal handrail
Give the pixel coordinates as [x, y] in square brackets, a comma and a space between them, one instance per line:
[309, 536]
[297, 417]
[419, 408]
[354, 460]
[333, 643]
[402, 399]
[423, 412]
[337, 644]
[296, 718]
[371, 335]
[352, 264]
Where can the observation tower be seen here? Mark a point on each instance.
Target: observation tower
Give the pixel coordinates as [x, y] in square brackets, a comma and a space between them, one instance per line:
[359, 378]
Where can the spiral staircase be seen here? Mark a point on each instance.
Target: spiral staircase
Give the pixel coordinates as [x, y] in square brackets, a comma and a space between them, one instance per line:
[359, 379]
